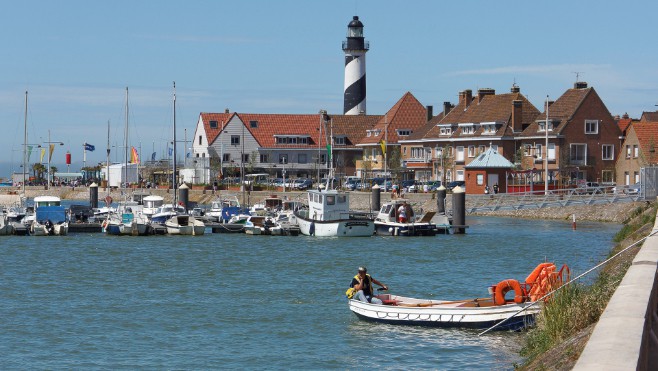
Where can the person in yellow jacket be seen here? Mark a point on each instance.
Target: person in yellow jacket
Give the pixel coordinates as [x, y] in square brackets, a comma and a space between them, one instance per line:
[362, 283]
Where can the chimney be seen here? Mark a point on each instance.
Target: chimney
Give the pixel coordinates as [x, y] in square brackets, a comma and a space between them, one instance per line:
[626, 116]
[227, 111]
[485, 91]
[447, 107]
[515, 89]
[517, 115]
[465, 98]
[430, 112]
[580, 85]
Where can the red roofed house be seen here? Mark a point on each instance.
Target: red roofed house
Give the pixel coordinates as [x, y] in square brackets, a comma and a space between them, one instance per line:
[638, 151]
[468, 129]
[274, 142]
[405, 117]
[582, 136]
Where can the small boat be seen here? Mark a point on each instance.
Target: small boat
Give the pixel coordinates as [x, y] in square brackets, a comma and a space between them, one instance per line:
[165, 212]
[328, 215]
[6, 227]
[185, 225]
[472, 313]
[151, 204]
[388, 224]
[223, 208]
[50, 221]
[235, 225]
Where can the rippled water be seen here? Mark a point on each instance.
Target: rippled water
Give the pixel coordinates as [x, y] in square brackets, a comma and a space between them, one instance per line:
[237, 301]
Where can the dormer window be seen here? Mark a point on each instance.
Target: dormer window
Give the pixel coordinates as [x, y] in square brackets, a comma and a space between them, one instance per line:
[213, 124]
[404, 132]
[339, 141]
[373, 132]
[253, 124]
[445, 129]
[291, 139]
[542, 126]
[467, 129]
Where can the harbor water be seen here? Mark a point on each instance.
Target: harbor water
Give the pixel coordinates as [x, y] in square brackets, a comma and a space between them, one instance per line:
[91, 301]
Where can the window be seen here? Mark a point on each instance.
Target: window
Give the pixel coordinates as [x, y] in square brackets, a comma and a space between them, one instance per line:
[213, 124]
[263, 157]
[404, 132]
[608, 152]
[527, 150]
[331, 199]
[489, 129]
[481, 149]
[459, 175]
[226, 157]
[302, 158]
[460, 155]
[591, 126]
[342, 199]
[471, 151]
[283, 158]
[445, 130]
[551, 151]
[468, 129]
[539, 151]
[578, 154]
[480, 179]
[235, 140]
[245, 157]
[627, 178]
[200, 138]
[253, 124]
[417, 152]
[339, 141]
[494, 147]
[636, 151]
[636, 176]
[542, 126]
[439, 152]
[628, 151]
[607, 176]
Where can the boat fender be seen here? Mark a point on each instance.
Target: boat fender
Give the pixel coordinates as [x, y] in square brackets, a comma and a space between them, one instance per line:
[503, 287]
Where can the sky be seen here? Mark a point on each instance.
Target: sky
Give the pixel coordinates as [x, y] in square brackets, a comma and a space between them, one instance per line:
[76, 59]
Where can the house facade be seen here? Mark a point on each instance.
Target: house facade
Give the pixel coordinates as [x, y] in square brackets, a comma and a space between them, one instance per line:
[638, 151]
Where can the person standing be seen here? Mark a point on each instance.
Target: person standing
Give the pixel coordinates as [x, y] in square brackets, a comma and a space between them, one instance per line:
[362, 283]
[402, 213]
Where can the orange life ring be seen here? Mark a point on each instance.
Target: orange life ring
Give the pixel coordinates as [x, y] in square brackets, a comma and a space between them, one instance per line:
[104, 225]
[503, 287]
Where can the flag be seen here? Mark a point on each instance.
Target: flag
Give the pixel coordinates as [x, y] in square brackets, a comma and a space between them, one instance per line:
[329, 152]
[383, 144]
[171, 151]
[52, 149]
[29, 153]
[43, 153]
[89, 147]
[187, 155]
[153, 156]
[134, 156]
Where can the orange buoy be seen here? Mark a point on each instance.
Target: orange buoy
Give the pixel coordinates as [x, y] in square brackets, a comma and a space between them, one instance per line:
[503, 287]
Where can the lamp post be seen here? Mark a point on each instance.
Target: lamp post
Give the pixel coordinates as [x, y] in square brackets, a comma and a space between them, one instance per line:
[546, 151]
[50, 149]
[283, 172]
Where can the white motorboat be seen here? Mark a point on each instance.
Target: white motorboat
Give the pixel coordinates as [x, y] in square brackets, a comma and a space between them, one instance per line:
[50, 217]
[165, 212]
[6, 227]
[328, 215]
[223, 208]
[388, 223]
[186, 225]
[151, 204]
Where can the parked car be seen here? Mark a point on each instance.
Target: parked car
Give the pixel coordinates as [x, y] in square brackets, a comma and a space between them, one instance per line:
[456, 183]
[434, 185]
[302, 183]
[408, 183]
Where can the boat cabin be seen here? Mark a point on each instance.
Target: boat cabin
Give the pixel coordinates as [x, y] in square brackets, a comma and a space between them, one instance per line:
[328, 205]
[40, 201]
[389, 211]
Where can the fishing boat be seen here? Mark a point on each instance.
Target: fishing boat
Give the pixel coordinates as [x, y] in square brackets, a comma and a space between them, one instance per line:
[328, 215]
[512, 314]
[388, 223]
[50, 221]
[185, 225]
[151, 205]
[234, 225]
[224, 208]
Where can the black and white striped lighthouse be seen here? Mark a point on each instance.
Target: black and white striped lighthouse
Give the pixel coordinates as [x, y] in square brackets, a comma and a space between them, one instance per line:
[355, 48]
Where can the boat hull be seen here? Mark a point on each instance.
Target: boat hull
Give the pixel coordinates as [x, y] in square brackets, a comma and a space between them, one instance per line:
[336, 228]
[450, 314]
[405, 229]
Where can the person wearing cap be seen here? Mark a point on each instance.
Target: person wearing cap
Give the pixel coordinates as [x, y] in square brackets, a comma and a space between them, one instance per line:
[362, 283]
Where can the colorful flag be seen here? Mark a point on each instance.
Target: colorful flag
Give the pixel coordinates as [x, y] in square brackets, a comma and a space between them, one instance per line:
[89, 147]
[383, 144]
[171, 151]
[43, 153]
[329, 152]
[153, 156]
[29, 153]
[134, 156]
[52, 149]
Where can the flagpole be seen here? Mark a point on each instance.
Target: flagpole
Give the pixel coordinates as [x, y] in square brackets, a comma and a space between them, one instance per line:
[84, 155]
[385, 149]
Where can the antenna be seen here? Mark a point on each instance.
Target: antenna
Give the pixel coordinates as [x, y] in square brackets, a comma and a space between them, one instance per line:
[577, 75]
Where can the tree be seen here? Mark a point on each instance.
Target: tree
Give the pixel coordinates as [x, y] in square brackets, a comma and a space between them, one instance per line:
[394, 160]
[38, 169]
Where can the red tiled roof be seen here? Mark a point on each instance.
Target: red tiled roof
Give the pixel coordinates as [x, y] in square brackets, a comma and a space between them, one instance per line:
[565, 106]
[624, 124]
[492, 108]
[407, 113]
[649, 116]
[221, 118]
[647, 136]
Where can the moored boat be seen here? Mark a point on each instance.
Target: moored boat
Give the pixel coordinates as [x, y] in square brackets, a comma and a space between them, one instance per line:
[328, 215]
[186, 225]
[388, 222]
[512, 314]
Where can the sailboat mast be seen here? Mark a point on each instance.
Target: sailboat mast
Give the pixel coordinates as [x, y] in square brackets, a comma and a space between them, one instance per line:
[107, 160]
[25, 145]
[174, 185]
[125, 144]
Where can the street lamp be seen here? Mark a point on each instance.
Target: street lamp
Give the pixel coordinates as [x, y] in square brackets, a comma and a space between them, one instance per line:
[50, 154]
[546, 151]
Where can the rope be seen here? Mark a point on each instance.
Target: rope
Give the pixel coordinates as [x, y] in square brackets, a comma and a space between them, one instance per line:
[568, 283]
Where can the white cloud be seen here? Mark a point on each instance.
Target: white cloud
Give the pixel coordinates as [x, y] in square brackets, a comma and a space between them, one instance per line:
[539, 69]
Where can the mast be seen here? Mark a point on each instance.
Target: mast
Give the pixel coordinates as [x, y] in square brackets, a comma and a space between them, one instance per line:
[25, 146]
[173, 183]
[125, 144]
[107, 160]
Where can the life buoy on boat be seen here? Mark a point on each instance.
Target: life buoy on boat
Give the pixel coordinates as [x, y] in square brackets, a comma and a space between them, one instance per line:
[535, 273]
[104, 225]
[503, 287]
